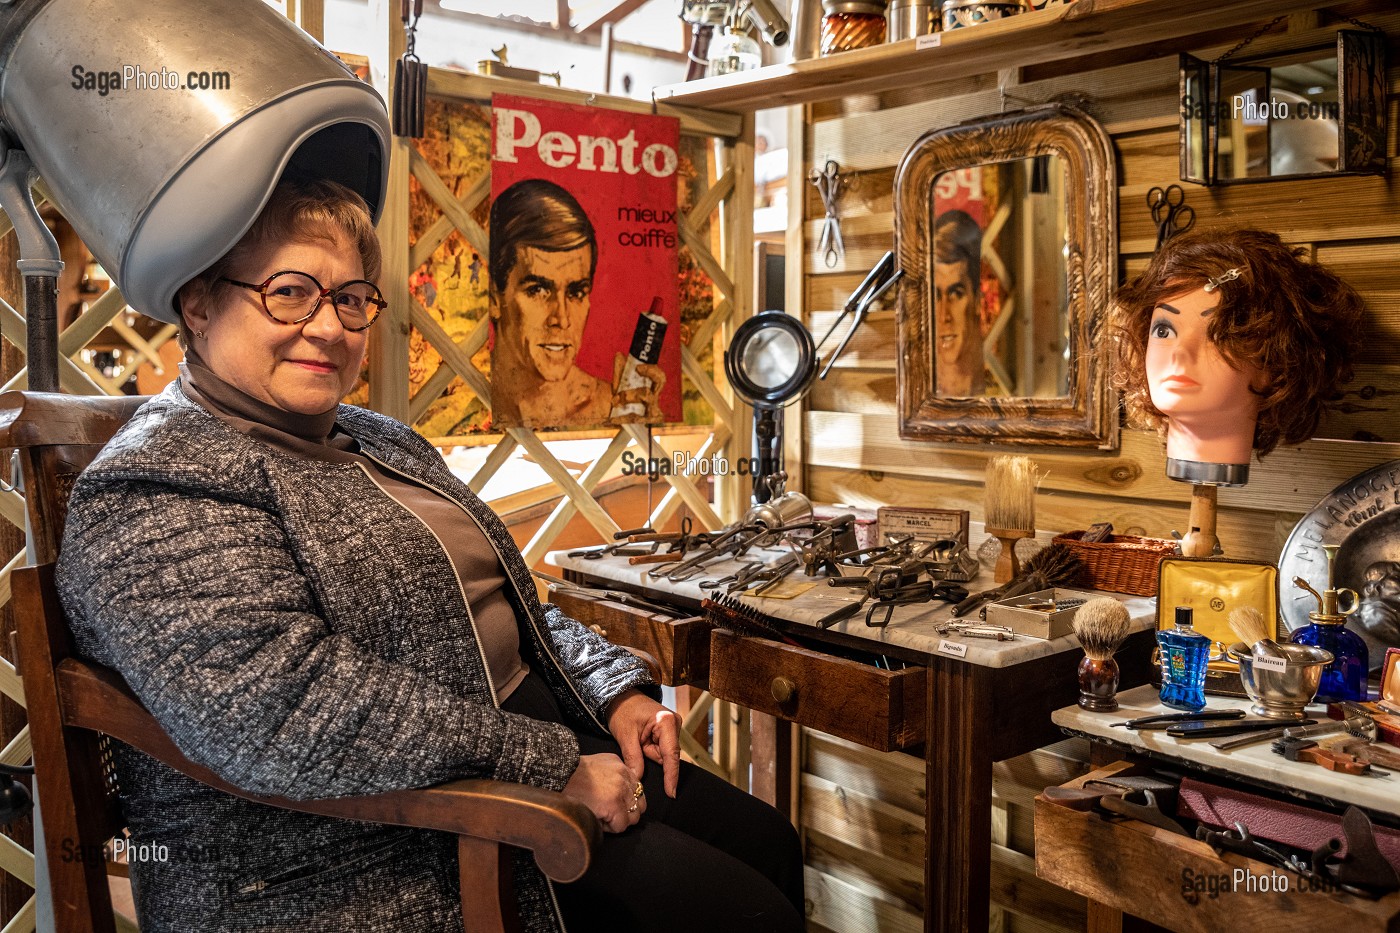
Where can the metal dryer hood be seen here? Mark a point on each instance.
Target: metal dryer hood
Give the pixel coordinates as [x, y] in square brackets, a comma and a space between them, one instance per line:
[158, 181]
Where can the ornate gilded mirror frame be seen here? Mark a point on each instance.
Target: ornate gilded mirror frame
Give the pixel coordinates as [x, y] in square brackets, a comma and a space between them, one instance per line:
[1087, 416]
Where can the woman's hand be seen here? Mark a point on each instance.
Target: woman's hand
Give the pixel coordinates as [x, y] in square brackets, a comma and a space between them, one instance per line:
[607, 786]
[643, 726]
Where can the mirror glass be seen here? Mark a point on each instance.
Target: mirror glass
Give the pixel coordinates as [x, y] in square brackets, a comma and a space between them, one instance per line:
[1005, 232]
[1311, 112]
[1195, 101]
[770, 358]
[1278, 121]
[1000, 312]
[1243, 147]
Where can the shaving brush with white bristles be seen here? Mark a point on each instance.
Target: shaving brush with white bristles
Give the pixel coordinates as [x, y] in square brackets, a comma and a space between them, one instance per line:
[1101, 625]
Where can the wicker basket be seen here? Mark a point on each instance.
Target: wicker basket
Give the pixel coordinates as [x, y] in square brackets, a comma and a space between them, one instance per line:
[1122, 564]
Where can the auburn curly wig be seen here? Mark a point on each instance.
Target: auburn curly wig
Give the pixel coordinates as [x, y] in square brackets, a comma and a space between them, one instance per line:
[1295, 320]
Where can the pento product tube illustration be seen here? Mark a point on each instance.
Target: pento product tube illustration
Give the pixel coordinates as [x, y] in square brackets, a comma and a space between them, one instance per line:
[646, 348]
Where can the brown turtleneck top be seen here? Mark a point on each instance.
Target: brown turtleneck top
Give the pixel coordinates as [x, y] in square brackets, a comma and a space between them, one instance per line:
[317, 437]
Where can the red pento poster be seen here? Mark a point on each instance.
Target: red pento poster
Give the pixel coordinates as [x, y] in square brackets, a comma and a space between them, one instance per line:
[584, 299]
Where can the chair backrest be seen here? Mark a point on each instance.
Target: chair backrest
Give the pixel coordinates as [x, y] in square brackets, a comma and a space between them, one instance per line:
[56, 437]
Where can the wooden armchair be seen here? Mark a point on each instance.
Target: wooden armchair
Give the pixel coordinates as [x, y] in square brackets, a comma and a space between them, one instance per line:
[76, 707]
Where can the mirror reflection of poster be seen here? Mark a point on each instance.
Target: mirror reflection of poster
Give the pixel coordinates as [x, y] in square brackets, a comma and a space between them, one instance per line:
[967, 295]
[583, 278]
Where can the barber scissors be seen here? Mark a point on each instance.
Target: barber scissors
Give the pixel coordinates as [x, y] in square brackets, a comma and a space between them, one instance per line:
[1170, 212]
[828, 181]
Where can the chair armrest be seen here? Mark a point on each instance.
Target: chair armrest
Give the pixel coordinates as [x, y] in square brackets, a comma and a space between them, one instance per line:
[559, 831]
[653, 665]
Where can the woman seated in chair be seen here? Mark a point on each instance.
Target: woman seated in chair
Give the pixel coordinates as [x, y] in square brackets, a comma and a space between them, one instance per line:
[312, 605]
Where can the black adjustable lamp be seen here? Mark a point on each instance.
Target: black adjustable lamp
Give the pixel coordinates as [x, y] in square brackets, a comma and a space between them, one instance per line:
[770, 362]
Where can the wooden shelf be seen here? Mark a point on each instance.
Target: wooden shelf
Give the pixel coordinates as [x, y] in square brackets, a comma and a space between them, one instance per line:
[1082, 28]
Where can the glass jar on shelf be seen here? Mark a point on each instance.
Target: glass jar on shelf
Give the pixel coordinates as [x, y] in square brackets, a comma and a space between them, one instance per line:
[733, 51]
[852, 24]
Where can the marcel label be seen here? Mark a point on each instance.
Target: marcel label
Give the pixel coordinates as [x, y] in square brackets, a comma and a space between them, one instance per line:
[956, 649]
[1272, 664]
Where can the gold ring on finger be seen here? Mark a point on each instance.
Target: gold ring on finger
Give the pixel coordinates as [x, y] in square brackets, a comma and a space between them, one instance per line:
[638, 790]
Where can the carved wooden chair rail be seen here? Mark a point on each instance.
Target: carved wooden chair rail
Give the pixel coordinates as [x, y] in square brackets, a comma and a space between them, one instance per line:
[74, 704]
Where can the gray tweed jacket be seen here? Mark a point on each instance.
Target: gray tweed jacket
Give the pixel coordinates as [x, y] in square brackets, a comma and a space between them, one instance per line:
[301, 634]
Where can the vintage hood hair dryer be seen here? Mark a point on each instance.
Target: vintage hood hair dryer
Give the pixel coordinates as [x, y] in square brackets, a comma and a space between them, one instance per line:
[161, 180]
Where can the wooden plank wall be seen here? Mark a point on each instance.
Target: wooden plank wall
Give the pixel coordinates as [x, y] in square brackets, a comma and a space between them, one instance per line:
[863, 829]
[861, 811]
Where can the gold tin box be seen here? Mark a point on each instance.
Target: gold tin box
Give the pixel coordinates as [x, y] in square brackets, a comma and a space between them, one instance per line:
[1212, 587]
[1386, 708]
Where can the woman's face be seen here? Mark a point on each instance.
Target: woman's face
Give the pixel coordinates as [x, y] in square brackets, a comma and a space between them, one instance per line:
[305, 368]
[1186, 375]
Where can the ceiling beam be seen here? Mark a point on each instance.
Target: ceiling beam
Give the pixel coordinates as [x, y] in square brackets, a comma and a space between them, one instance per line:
[549, 30]
[594, 15]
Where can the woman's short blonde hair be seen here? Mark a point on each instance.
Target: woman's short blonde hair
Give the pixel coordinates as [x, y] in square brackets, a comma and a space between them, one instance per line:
[299, 210]
[1297, 321]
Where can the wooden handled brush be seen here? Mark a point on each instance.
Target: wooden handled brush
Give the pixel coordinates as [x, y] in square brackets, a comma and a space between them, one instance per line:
[1010, 509]
[1250, 627]
[728, 612]
[1101, 625]
[1053, 566]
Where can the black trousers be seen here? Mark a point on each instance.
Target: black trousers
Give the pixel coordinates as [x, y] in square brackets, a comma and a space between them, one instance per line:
[712, 860]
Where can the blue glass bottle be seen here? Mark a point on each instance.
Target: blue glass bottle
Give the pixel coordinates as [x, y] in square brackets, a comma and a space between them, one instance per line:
[1184, 653]
[1345, 677]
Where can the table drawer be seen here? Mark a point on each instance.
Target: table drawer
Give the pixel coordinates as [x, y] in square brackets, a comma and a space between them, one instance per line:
[843, 696]
[680, 647]
[1181, 883]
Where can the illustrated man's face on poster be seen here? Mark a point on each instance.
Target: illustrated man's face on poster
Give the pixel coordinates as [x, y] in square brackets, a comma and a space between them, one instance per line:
[544, 307]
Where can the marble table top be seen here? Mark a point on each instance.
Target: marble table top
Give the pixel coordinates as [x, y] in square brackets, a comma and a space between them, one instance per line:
[911, 627]
[1255, 763]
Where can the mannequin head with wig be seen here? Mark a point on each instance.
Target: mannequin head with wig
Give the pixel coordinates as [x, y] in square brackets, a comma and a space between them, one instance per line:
[1231, 342]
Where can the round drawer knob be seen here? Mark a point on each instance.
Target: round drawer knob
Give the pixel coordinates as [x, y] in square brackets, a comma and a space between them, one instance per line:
[595, 627]
[783, 690]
